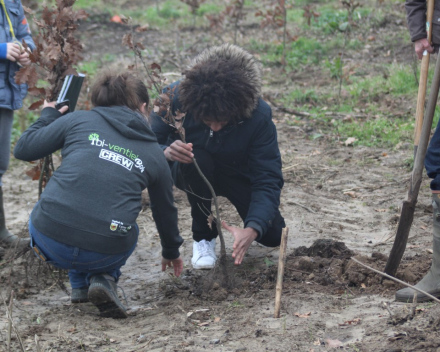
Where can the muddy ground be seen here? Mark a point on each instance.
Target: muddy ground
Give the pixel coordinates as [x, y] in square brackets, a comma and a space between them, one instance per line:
[348, 199]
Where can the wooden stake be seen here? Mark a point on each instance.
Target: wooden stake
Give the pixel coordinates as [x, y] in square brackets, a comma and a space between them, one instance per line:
[280, 276]
[9, 316]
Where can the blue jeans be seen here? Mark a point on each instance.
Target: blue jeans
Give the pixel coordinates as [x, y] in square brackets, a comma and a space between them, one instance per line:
[82, 264]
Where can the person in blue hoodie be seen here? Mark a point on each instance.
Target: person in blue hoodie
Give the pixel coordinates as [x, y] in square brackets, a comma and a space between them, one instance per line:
[13, 30]
[230, 132]
[85, 220]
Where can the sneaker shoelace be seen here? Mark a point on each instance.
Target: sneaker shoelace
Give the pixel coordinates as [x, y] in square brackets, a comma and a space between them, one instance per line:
[204, 248]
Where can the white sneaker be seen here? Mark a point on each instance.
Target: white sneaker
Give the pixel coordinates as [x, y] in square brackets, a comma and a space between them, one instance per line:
[204, 254]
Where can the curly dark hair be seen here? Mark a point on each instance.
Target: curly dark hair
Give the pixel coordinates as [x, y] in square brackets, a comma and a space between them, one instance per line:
[217, 90]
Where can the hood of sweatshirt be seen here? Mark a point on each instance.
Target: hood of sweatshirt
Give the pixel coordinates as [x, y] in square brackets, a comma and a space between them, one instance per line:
[129, 123]
[248, 62]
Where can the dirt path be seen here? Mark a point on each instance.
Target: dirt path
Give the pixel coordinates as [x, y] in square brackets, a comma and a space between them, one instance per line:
[335, 193]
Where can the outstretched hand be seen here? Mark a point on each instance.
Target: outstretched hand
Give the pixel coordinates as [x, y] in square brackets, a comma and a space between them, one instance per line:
[177, 264]
[243, 240]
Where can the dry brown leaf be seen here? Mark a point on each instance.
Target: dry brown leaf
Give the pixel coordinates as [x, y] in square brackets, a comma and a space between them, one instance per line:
[380, 210]
[210, 220]
[350, 141]
[351, 194]
[355, 321]
[305, 315]
[333, 343]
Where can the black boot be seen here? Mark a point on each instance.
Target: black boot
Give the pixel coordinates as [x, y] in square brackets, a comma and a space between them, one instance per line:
[7, 239]
[102, 293]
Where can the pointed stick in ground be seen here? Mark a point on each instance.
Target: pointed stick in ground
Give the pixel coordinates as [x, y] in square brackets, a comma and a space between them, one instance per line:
[37, 343]
[280, 276]
[9, 316]
[397, 280]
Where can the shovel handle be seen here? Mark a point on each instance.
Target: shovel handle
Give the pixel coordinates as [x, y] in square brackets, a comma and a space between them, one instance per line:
[420, 110]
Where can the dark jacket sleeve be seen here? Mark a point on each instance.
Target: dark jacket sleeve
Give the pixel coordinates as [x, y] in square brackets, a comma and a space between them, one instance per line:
[43, 137]
[416, 17]
[266, 177]
[161, 128]
[432, 160]
[164, 211]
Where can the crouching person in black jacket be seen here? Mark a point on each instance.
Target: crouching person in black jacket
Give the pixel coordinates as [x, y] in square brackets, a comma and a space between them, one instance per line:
[230, 132]
[85, 220]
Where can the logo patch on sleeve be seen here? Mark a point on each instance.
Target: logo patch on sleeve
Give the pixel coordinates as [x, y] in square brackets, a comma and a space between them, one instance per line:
[119, 226]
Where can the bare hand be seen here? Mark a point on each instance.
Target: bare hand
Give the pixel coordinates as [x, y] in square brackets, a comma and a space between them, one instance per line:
[243, 240]
[23, 59]
[13, 51]
[177, 264]
[421, 45]
[179, 151]
[52, 105]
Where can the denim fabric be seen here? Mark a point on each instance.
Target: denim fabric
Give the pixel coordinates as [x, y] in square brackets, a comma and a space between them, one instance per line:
[81, 264]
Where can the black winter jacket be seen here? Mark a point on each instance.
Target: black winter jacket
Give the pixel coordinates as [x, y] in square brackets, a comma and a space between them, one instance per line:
[110, 154]
[248, 149]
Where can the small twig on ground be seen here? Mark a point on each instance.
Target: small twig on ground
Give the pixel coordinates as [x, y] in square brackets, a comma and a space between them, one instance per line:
[299, 271]
[413, 307]
[37, 343]
[397, 280]
[9, 317]
[388, 309]
[10, 321]
[302, 206]
[289, 167]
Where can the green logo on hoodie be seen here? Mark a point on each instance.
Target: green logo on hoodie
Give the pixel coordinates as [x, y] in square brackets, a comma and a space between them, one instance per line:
[94, 137]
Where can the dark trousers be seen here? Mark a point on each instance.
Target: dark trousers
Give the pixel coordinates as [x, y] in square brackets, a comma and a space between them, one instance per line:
[235, 188]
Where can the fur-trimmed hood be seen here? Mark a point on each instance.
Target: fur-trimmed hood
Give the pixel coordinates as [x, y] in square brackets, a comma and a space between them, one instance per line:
[249, 64]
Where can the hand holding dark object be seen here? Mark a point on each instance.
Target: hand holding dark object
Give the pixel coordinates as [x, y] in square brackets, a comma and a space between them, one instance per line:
[53, 104]
[177, 264]
[243, 240]
[421, 45]
[179, 151]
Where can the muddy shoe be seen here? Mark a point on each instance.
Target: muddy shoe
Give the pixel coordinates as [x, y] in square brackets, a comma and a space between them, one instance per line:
[80, 295]
[102, 293]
